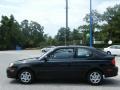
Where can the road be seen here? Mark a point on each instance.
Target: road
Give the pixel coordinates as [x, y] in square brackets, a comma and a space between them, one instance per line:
[10, 84]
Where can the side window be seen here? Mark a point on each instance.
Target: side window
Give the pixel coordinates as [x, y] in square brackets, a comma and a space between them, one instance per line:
[113, 47]
[62, 54]
[83, 53]
[117, 47]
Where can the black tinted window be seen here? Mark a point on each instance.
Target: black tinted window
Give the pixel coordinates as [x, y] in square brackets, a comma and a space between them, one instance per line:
[62, 54]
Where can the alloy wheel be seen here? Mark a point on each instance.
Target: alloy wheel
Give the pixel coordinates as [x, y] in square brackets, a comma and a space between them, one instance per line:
[95, 77]
[25, 76]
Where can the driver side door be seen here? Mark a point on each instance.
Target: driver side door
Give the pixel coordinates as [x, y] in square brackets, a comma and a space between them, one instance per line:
[58, 63]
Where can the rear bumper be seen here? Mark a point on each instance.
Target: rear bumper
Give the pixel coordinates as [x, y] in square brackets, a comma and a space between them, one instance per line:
[111, 72]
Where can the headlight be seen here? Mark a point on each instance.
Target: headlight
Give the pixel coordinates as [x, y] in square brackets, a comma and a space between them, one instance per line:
[11, 64]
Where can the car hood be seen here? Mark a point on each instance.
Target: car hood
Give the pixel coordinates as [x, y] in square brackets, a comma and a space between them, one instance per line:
[28, 60]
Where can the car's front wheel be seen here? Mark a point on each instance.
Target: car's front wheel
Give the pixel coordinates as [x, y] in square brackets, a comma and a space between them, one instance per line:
[25, 76]
[95, 77]
[108, 52]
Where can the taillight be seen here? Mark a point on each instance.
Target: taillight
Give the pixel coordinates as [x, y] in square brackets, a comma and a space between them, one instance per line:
[113, 61]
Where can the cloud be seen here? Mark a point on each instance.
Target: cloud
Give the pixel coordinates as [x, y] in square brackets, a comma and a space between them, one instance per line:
[108, 3]
[14, 1]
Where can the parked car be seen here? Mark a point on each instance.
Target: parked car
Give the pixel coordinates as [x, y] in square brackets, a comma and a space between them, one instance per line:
[65, 62]
[114, 50]
[46, 49]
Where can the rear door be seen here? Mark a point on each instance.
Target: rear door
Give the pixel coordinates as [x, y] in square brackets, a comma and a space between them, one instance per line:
[82, 62]
[114, 50]
[117, 49]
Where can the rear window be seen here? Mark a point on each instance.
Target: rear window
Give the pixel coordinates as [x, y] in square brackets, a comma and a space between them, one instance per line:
[100, 52]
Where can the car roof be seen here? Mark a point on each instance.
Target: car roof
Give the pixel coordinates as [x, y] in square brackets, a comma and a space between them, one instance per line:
[85, 47]
[115, 45]
[73, 46]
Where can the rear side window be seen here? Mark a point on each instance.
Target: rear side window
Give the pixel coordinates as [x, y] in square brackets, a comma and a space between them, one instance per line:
[83, 53]
[115, 47]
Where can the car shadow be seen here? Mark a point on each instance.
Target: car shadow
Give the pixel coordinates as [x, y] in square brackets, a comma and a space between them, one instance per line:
[14, 81]
[111, 82]
[51, 81]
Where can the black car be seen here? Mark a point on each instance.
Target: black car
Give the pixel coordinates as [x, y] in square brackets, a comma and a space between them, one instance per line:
[65, 62]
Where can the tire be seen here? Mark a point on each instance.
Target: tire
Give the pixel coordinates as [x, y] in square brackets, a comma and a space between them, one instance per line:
[95, 77]
[26, 76]
[108, 52]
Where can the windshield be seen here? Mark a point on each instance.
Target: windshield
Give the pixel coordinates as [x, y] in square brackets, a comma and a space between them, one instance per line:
[45, 53]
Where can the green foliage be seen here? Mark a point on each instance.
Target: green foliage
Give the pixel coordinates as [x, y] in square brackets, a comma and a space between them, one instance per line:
[105, 26]
[32, 33]
[60, 37]
[9, 33]
[26, 34]
[76, 34]
[84, 29]
[112, 26]
[96, 28]
[97, 17]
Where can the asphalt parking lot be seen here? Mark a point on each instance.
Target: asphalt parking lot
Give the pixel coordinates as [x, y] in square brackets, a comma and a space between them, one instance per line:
[10, 84]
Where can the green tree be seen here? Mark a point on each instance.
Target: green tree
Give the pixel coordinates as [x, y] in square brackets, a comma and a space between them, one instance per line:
[84, 29]
[112, 28]
[76, 36]
[36, 33]
[60, 37]
[4, 35]
[96, 17]
[96, 21]
[9, 33]
[32, 33]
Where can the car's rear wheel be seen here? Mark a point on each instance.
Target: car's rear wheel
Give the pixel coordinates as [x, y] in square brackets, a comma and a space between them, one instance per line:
[26, 76]
[95, 77]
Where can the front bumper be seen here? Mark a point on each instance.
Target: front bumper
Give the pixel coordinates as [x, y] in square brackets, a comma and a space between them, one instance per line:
[11, 72]
[111, 72]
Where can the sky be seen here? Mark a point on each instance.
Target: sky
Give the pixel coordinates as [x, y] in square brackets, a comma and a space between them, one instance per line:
[51, 13]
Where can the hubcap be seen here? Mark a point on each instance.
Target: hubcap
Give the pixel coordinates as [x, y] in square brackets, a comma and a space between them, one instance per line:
[25, 77]
[95, 77]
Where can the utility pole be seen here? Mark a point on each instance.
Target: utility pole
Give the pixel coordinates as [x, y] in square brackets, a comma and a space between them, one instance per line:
[91, 24]
[66, 22]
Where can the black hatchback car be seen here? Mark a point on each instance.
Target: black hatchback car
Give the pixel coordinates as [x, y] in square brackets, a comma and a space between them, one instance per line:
[65, 62]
